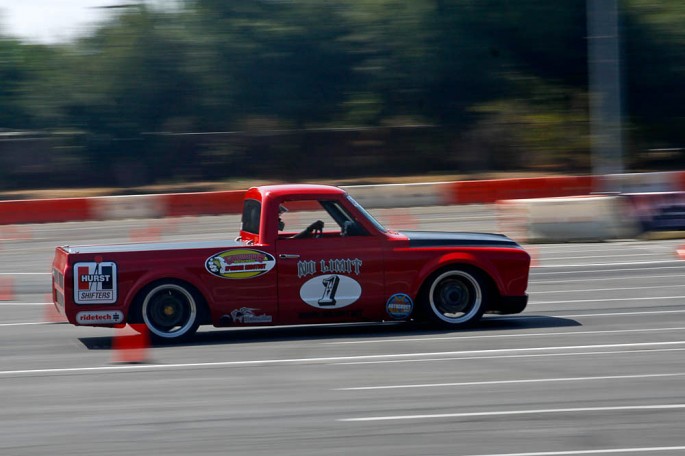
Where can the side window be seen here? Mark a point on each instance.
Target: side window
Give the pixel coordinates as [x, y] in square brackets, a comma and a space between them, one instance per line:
[252, 210]
[297, 217]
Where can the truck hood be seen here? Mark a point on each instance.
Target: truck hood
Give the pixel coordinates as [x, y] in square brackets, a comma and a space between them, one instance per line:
[448, 239]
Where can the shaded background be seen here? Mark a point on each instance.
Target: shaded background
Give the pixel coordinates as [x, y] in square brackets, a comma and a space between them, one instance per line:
[289, 90]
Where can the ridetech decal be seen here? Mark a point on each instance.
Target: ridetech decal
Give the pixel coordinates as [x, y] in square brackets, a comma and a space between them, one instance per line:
[95, 283]
[240, 263]
[330, 291]
[100, 317]
[399, 306]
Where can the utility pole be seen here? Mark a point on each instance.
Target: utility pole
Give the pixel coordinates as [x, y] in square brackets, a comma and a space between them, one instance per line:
[605, 88]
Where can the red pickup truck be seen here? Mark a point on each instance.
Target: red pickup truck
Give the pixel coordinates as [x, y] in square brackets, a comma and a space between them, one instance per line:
[340, 265]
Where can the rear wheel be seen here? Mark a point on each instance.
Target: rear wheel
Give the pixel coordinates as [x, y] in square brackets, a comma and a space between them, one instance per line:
[170, 311]
[455, 298]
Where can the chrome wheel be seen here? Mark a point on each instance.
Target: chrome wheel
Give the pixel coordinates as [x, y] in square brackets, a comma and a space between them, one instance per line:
[456, 298]
[170, 311]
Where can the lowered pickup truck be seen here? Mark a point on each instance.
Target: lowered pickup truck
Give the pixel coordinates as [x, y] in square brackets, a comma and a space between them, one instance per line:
[344, 266]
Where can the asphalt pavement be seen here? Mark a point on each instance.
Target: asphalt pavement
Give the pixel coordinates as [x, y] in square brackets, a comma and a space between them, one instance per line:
[594, 365]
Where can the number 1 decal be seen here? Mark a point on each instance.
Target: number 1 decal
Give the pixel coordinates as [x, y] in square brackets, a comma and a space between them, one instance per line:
[330, 285]
[332, 291]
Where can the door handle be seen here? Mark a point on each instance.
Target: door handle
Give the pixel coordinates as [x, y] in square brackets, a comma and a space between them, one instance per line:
[288, 256]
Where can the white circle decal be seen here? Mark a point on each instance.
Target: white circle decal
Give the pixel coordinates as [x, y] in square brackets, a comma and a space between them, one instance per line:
[330, 291]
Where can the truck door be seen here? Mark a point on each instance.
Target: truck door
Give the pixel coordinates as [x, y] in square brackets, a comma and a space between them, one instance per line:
[332, 275]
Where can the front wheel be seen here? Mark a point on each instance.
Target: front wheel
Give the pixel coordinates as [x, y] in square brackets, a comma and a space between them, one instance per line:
[455, 298]
[170, 311]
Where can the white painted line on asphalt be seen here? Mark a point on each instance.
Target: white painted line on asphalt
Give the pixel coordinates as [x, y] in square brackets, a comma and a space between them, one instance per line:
[599, 246]
[535, 355]
[334, 359]
[500, 336]
[594, 279]
[649, 298]
[17, 303]
[604, 314]
[613, 253]
[625, 263]
[510, 382]
[645, 450]
[592, 290]
[621, 314]
[627, 408]
[25, 273]
[27, 323]
[536, 273]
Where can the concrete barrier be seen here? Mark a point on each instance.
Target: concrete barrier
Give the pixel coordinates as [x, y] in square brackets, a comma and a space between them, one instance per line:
[491, 191]
[401, 195]
[128, 207]
[372, 196]
[670, 181]
[565, 219]
[206, 203]
[45, 210]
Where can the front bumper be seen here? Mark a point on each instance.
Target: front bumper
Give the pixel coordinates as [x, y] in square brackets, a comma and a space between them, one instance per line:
[509, 305]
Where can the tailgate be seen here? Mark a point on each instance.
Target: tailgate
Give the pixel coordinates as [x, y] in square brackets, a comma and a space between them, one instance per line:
[59, 269]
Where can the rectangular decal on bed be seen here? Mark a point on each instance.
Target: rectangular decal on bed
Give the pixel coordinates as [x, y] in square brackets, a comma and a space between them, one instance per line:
[95, 283]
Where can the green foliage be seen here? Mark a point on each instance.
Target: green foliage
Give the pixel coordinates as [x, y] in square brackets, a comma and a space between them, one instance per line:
[504, 81]
[541, 125]
[654, 39]
[17, 74]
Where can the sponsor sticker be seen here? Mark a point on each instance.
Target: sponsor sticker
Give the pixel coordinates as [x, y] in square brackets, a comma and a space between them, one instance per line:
[247, 315]
[95, 283]
[100, 317]
[330, 291]
[332, 266]
[240, 264]
[399, 306]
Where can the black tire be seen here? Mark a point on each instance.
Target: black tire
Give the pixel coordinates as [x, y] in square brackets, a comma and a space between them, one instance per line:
[455, 298]
[171, 311]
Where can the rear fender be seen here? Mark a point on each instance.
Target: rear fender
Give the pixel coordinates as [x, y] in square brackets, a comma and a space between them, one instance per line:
[170, 274]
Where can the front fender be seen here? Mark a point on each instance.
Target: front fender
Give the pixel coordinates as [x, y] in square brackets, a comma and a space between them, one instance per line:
[454, 259]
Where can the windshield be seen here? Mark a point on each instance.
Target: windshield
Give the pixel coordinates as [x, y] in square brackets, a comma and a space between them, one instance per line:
[368, 216]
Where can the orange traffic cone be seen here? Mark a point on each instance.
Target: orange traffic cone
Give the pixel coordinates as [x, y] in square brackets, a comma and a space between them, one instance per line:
[6, 288]
[16, 233]
[50, 312]
[534, 256]
[169, 226]
[680, 252]
[145, 234]
[399, 219]
[131, 344]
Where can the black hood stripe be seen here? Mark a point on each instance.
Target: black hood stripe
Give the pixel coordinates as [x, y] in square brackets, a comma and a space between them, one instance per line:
[447, 239]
